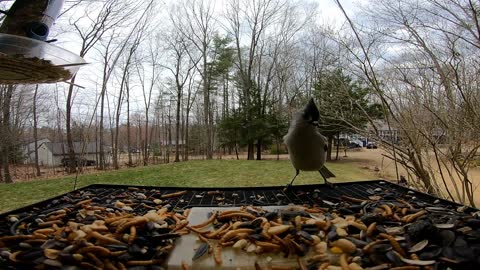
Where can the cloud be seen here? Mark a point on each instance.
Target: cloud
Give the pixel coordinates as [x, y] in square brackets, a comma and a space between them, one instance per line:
[330, 13]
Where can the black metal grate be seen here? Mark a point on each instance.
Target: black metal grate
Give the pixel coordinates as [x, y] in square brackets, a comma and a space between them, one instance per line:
[145, 198]
[320, 195]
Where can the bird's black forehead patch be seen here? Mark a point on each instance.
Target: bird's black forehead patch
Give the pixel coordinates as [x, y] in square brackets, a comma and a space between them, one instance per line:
[311, 111]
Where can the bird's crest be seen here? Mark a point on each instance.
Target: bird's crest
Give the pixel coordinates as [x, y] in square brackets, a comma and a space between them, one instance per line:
[311, 113]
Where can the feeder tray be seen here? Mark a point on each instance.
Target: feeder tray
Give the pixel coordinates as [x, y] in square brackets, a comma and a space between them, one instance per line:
[444, 235]
[29, 61]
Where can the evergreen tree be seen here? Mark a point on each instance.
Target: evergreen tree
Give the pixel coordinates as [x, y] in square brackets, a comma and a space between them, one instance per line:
[344, 105]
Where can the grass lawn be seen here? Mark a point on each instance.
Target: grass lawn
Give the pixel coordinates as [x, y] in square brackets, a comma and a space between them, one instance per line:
[199, 173]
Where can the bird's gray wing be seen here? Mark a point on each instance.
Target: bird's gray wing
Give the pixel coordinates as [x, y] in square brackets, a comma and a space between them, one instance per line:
[326, 172]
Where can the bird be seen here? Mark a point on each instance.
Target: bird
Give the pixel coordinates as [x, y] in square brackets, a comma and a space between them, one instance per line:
[307, 148]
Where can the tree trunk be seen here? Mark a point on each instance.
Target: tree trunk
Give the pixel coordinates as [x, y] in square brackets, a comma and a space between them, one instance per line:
[250, 149]
[338, 145]
[145, 146]
[225, 95]
[169, 137]
[236, 151]
[259, 149]
[187, 141]
[117, 124]
[129, 141]
[97, 158]
[152, 132]
[164, 139]
[206, 104]
[68, 115]
[182, 133]
[278, 148]
[177, 126]
[139, 142]
[208, 146]
[329, 150]
[7, 134]
[35, 131]
[102, 105]
[1, 166]
[112, 131]
[115, 147]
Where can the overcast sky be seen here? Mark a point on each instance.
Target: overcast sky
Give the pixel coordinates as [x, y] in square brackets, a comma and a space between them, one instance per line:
[329, 13]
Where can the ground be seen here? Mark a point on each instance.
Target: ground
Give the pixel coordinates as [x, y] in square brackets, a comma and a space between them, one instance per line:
[374, 162]
[383, 167]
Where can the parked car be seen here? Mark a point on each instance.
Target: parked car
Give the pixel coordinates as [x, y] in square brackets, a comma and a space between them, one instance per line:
[372, 145]
[78, 162]
[354, 144]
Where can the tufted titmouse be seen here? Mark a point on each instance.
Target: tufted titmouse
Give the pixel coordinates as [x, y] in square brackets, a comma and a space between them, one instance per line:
[306, 146]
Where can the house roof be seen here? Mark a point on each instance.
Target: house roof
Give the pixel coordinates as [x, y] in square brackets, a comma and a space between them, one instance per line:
[79, 147]
[382, 125]
[29, 147]
[165, 142]
[39, 141]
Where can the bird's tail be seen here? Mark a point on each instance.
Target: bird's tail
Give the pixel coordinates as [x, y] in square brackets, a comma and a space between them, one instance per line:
[326, 172]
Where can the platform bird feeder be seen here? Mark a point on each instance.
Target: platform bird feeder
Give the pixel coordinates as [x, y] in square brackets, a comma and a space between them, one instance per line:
[26, 56]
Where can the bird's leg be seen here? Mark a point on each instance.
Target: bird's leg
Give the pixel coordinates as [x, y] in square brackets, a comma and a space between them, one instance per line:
[326, 181]
[297, 171]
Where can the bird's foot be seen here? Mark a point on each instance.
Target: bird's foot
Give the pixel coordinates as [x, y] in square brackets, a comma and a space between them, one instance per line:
[287, 187]
[329, 184]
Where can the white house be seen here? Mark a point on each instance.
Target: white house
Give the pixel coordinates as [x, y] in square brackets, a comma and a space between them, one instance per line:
[45, 155]
[391, 134]
[173, 144]
[52, 154]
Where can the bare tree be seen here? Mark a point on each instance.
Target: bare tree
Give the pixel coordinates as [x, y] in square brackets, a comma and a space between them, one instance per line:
[181, 67]
[124, 84]
[271, 48]
[90, 30]
[6, 95]
[107, 68]
[152, 75]
[35, 131]
[257, 16]
[192, 91]
[110, 56]
[427, 90]
[196, 22]
[129, 140]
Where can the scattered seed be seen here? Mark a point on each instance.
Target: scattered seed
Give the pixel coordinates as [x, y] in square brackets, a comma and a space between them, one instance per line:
[201, 250]
[345, 245]
[418, 246]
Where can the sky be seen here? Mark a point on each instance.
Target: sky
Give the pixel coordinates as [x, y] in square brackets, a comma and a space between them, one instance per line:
[332, 14]
[329, 13]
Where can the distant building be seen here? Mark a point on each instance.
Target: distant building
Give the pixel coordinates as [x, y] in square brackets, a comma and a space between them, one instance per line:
[173, 143]
[395, 134]
[391, 134]
[52, 154]
[354, 139]
[44, 154]
[164, 144]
